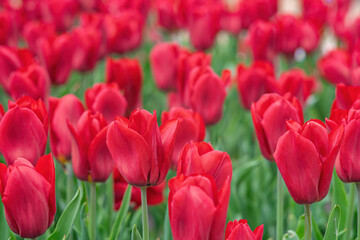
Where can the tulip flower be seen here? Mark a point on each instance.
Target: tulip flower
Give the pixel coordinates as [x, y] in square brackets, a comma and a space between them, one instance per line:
[241, 230]
[231, 19]
[130, 83]
[34, 30]
[345, 97]
[8, 35]
[191, 127]
[34, 81]
[30, 205]
[255, 81]
[287, 35]
[23, 130]
[107, 100]
[201, 158]
[315, 11]
[91, 158]
[164, 59]
[141, 150]
[309, 36]
[251, 11]
[155, 194]
[2, 111]
[166, 14]
[68, 108]
[197, 209]
[269, 116]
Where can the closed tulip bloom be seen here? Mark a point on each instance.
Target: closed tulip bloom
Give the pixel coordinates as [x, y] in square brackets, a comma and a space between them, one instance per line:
[191, 127]
[197, 209]
[269, 116]
[305, 156]
[141, 150]
[309, 36]
[254, 81]
[164, 59]
[8, 30]
[34, 81]
[251, 11]
[34, 30]
[315, 11]
[345, 97]
[207, 94]
[23, 130]
[68, 108]
[166, 14]
[30, 205]
[201, 158]
[127, 74]
[154, 195]
[107, 100]
[240, 230]
[91, 158]
[287, 35]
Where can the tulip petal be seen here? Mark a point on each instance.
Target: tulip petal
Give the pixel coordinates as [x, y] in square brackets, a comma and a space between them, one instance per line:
[3, 171]
[258, 232]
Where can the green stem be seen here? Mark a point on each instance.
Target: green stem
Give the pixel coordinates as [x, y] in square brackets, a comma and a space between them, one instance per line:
[280, 207]
[307, 234]
[358, 210]
[92, 211]
[69, 183]
[350, 211]
[110, 194]
[145, 218]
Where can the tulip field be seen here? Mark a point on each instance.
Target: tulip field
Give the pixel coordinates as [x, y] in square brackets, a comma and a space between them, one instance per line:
[180, 119]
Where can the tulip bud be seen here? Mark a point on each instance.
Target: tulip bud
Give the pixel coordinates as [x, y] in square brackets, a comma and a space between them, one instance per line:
[30, 205]
[240, 230]
[34, 30]
[287, 35]
[305, 156]
[91, 158]
[142, 152]
[23, 130]
[68, 108]
[166, 14]
[251, 11]
[269, 116]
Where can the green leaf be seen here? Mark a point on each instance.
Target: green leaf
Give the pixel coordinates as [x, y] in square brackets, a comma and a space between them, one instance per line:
[300, 230]
[340, 198]
[3, 225]
[121, 214]
[316, 230]
[67, 218]
[290, 235]
[135, 235]
[332, 230]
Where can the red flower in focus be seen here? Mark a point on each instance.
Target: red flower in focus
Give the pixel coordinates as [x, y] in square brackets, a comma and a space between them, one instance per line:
[107, 100]
[91, 158]
[62, 110]
[127, 74]
[305, 156]
[30, 205]
[269, 116]
[23, 130]
[241, 230]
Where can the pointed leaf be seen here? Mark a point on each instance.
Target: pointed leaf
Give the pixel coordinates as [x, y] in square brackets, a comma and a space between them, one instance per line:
[135, 235]
[332, 230]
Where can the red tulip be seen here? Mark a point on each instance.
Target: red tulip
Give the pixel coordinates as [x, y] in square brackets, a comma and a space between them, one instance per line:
[154, 195]
[262, 40]
[345, 97]
[91, 158]
[191, 127]
[309, 36]
[68, 108]
[287, 33]
[117, 7]
[8, 31]
[240, 230]
[269, 116]
[86, 48]
[56, 55]
[197, 209]
[231, 19]
[167, 14]
[207, 94]
[305, 156]
[297, 83]
[33, 31]
[23, 130]
[315, 11]
[142, 152]
[164, 59]
[107, 100]
[2, 111]
[33, 81]
[201, 158]
[254, 10]
[127, 74]
[255, 81]
[30, 205]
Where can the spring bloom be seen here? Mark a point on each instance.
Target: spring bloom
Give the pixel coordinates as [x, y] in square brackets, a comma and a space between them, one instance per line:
[141, 150]
[241, 230]
[197, 209]
[23, 130]
[345, 97]
[30, 205]
[305, 156]
[154, 195]
[269, 116]
[251, 11]
[254, 81]
[91, 158]
[68, 108]
[130, 83]
[107, 100]
[191, 127]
